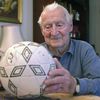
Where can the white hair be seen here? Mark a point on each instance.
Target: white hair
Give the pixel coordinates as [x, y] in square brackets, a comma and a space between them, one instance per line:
[52, 7]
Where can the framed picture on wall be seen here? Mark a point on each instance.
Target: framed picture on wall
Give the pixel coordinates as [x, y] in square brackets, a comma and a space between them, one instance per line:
[11, 11]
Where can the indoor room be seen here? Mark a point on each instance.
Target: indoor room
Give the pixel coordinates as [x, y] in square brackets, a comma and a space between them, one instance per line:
[49, 49]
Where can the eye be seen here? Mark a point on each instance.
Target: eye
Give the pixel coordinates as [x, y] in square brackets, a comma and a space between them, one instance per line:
[60, 25]
[47, 26]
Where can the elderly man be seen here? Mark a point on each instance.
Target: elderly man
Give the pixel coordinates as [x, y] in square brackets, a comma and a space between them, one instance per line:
[78, 66]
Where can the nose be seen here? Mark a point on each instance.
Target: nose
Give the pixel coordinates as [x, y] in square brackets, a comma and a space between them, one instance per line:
[54, 30]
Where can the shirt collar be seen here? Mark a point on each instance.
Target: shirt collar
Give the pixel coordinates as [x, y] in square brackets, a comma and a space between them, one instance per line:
[71, 47]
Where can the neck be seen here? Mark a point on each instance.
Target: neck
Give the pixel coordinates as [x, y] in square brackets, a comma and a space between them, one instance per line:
[59, 51]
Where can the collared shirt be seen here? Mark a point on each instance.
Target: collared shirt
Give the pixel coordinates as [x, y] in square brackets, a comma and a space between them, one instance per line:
[83, 63]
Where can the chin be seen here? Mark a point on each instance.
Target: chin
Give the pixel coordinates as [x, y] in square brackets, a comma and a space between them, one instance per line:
[56, 45]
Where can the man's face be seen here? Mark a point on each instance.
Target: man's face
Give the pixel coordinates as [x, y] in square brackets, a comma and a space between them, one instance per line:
[55, 28]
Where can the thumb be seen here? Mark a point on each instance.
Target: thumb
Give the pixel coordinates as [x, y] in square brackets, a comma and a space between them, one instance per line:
[58, 64]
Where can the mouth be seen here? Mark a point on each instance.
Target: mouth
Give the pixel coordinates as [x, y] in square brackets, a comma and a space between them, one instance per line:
[56, 38]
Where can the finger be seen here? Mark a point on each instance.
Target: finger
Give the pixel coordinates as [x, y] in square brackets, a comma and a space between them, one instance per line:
[56, 80]
[57, 72]
[58, 64]
[57, 88]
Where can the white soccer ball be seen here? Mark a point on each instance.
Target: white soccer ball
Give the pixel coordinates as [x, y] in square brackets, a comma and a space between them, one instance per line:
[24, 67]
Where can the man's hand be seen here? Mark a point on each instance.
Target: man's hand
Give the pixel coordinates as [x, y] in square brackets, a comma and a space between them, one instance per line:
[60, 81]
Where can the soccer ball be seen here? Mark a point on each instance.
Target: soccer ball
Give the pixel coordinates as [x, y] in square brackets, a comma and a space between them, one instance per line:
[24, 67]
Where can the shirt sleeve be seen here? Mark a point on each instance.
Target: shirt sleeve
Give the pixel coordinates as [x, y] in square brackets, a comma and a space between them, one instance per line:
[90, 86]
[90, 82]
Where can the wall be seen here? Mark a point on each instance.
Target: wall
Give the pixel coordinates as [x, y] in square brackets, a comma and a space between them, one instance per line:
[27, 24]
[94, 24]
[0, 34]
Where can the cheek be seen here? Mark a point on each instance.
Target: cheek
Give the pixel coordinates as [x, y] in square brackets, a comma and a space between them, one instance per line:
[45, 34]
[65, 32]
[68, 29]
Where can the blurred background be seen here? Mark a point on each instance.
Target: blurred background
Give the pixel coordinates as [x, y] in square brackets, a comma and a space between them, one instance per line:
[86, 20]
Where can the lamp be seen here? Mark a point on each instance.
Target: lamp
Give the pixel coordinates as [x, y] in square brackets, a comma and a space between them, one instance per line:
[11, 34]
